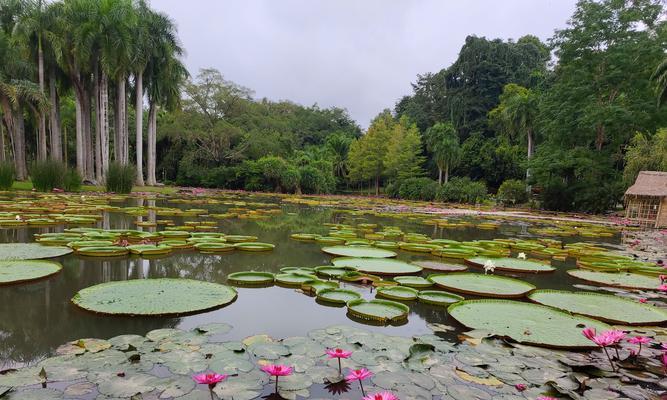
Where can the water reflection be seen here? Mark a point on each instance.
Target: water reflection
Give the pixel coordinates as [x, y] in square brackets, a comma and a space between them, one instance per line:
[35, 318]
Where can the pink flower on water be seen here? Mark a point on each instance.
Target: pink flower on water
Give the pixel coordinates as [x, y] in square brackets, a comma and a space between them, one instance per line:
[662, 278]
[662, 288]
[338, 353]
[520, 387]
[209, 379]
[589, 333]
[277, 370]
[642, 300]
[639, 340]
[381, 396]
[616, 335]
[358, 375]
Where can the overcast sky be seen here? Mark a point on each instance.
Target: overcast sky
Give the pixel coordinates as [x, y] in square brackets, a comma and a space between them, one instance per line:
[360, 55]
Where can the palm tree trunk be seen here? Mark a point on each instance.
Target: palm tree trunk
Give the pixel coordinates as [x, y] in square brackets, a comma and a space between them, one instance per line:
[19, 145]
[88, 138]
[121, 129]
[8, 118]
[54, 118]
[80, 164]
[439, 176]
[98, 123]
[41, 140]
[2, 143]
[530, 150]
[139, 117]
[446, 173]
[104, 120]
[152, 144]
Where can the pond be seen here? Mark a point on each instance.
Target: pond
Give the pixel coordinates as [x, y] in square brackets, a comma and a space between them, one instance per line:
[37, 317]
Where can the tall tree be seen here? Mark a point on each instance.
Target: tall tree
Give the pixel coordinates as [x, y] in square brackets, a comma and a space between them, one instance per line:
[403, 158]
[443, 142]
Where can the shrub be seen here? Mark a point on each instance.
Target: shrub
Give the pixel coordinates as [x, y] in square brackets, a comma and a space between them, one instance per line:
[391, 190]
[289, 179]
[7, 174]
[418, 189]
[512, 191]
[72, 180]
[47, 174]
[120, 178]
[462, 190]
[311, 180]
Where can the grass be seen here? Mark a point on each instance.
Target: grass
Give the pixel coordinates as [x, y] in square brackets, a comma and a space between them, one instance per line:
[27, 185]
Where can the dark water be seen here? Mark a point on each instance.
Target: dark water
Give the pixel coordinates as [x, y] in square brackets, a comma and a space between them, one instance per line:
[36, 318]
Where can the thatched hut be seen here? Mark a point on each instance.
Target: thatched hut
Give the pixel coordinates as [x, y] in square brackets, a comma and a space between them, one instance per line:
[646, 200]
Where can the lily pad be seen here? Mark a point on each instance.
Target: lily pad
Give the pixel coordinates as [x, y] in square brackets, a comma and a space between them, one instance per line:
[605, 307]
[103, 251]
[26, 270]
[379, 266]
[294, 279]
[511, 264]
[397, 293]
[621, 280]
[438, 297]
[154, 297]
[358, 252]
[384, 311]
[332, 271]
[250, 278]
[413, 281]
[526, 323]
[440, 266]
[30, 251]
[482, 285]
[254, 246]
[337, 296]
[148, 249]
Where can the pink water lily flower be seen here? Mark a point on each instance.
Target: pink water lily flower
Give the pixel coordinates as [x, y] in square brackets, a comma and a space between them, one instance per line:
[209, 379]
[642, 300]
[662, 288]
[604, 340]
[359, 375]
[589, 333]
[520, 387]
[277, 370]
[338, 353]
[381, 396]
[639, 340]
[662, 278]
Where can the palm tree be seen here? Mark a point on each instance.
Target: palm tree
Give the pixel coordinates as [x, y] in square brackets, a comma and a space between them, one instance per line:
[443, 141]
[659, 77]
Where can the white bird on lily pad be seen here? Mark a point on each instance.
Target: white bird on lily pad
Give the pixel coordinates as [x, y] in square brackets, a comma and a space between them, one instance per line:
[521, 256]
[18, 217]
[489, 266]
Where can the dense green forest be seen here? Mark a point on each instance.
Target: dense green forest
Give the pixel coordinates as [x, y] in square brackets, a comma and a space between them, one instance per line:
[565, 123]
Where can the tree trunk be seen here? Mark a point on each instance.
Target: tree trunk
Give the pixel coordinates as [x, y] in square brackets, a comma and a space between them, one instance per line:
[54, 118]
[41, 140]
[2, 143]
[530, 150]
[446, 173]
[80, 164]
[599, 137]
[152, 144]
[104, 121]
[139, 117]
[97, 105]
[439, 176]
[19, 145]
[88, 138]
[121, 129]
[8, 118]
[377, 185]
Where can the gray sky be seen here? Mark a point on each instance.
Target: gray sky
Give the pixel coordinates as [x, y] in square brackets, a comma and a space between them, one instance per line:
[360, 55]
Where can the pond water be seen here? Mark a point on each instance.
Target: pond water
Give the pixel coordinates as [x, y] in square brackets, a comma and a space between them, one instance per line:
[35, 318]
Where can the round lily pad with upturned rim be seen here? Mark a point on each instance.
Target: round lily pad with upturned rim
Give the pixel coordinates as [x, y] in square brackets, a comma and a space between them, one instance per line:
[19, 271]
[240, 238]
[397, 293]
[315, 285]
[511, 264]
[438, 297]
[251, 278]
[482, 285]
[254, 246]
[30, 251]
[103, 251]
[624, 280]
[293, 279]
[149, 249]
[384, 311]
[154, 297]
[212, 248]
[440, 266]
[358, 252]
[332, 271]
[605, 307]
[413, 281]
[379, 266]
[337, 296]
[526, 322]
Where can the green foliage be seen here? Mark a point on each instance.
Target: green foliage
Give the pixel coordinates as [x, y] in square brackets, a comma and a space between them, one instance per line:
[512, 191]
[120, 178]
[403, 159]
[7, 175]
[47, 175]
[72, 180]
[311, 180]
[418, 189]
[443, 141]
[645, 153]
[462, 190]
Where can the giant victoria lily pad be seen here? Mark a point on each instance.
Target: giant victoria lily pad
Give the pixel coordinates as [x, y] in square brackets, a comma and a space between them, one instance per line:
[26, 270]
[384, 311]
[358, 251]
[440, 266]
[397, 293]
[30, 251]
[154, 297]
[511, 264]
[251, 278]
[608, 308]
[625, 280]
[526, 323]
[337, 296]
[438, 297]
[379, 266]
[482, 285]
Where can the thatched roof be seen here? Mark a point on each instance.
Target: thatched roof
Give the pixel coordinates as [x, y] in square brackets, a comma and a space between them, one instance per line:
[649, 183]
